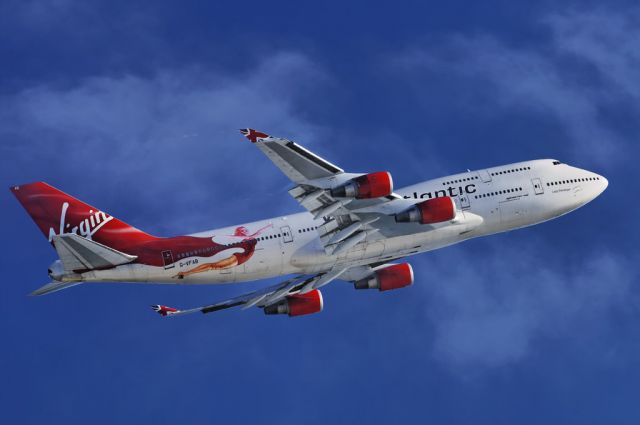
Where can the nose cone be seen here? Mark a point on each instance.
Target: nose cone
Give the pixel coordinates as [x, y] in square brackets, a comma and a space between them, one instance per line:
[604, 184]
[586, 191]
[600, 186]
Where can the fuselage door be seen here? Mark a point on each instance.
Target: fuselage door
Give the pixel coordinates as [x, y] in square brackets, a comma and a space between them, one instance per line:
[167, 260]
[484, 176]
[464, 201]
[287, 236]
[537, 186]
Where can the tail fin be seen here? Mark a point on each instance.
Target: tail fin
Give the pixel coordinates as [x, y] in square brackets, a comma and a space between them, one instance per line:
[57, 213]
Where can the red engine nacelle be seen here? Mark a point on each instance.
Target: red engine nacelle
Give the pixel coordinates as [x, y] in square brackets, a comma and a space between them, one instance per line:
[431, 211]
[391, 277]
[374, 185]
[297, 305]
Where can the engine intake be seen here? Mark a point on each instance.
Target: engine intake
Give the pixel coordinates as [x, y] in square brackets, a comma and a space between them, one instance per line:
[297, 305]
[374, 185]
[431, 211]
[391, 277]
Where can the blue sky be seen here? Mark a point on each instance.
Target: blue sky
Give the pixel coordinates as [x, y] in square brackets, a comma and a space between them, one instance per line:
[134, 107]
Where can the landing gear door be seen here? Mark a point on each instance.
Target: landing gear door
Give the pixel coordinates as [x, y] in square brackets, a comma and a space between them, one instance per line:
[537, 186]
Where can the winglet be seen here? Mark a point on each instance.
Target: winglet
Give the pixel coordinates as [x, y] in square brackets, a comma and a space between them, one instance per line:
[253, 135]
[163, 310]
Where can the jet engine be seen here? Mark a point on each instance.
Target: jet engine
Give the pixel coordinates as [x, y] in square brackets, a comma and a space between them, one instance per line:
[391, 277]
[297, 305]
[374, 185]
[431, 211]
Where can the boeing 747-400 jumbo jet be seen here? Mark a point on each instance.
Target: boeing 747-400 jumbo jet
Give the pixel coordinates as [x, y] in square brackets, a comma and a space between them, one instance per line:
[355, 227]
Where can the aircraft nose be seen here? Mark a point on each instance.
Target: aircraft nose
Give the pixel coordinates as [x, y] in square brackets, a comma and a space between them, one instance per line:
[604, 183]
[600, 186]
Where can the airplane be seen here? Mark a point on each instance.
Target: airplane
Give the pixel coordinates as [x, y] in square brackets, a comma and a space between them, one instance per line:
[356, 228]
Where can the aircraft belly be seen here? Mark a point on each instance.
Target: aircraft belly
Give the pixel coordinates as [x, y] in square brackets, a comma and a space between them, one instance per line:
[514, 213]
[311, 257]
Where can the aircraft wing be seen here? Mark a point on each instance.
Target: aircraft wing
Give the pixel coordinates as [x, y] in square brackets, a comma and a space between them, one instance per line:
[298, 285]
[296, 162]
[326, 191]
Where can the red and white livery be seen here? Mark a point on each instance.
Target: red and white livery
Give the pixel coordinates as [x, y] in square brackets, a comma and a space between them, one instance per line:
[357, 228]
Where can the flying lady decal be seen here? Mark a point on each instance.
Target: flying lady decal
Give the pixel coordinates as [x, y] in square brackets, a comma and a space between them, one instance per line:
[226, 256]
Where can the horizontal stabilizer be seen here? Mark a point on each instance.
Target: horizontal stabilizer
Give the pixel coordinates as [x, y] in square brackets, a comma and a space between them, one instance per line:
[80, 254]
[53, 287]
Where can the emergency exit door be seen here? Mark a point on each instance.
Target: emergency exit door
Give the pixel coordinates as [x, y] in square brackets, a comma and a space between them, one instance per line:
[287, 236]
[537, 186]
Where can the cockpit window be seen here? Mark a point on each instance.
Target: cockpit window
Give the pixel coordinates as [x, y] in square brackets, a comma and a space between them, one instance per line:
[557, 162]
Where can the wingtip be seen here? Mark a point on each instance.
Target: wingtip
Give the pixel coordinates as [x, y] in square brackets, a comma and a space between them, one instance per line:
[163, 310]
[253, 135]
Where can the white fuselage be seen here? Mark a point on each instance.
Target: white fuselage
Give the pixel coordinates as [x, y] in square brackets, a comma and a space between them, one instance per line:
[488, 201]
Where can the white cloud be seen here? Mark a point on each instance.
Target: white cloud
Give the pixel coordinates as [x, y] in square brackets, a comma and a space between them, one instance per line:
[608, 41]
[588, 67]
[169, 141]
[491, 311]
